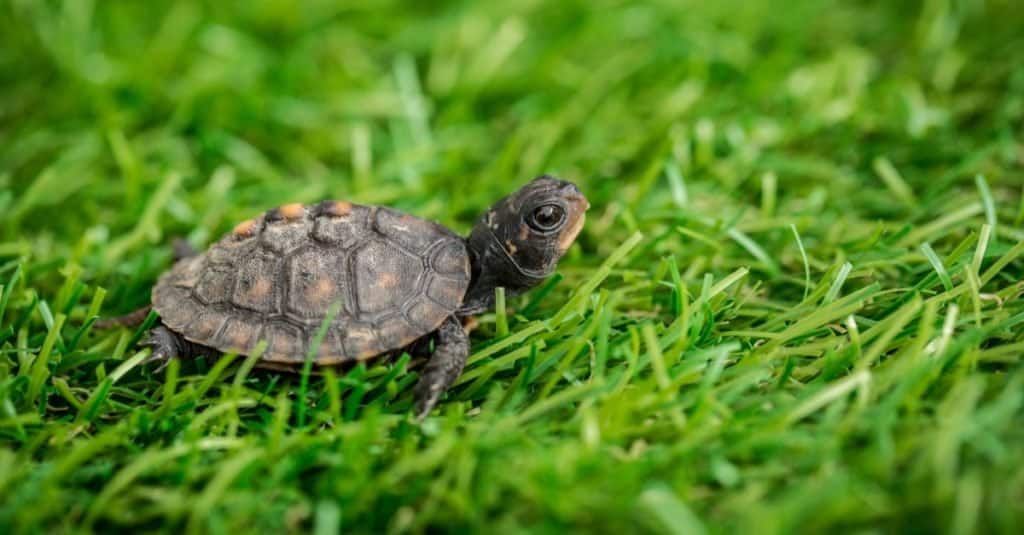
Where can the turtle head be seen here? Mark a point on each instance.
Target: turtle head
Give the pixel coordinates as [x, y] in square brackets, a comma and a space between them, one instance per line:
[517, 243]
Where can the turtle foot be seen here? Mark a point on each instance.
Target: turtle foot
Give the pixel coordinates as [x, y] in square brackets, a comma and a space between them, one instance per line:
[165, 345]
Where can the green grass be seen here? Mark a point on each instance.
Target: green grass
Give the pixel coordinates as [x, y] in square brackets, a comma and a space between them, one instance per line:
[796, 306]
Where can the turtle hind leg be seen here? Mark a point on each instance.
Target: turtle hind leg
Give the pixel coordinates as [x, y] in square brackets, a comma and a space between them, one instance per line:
[131, 319]
[443, 367]
[167, 344]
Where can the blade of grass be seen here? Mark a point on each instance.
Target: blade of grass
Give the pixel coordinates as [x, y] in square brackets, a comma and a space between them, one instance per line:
[837, 283]
[500, 315]
[893, 180]
[314, 350]
[937, 265]
[803, 256]
[584, 291]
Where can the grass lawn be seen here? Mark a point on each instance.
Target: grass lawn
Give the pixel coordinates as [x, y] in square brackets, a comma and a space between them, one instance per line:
[796, 305]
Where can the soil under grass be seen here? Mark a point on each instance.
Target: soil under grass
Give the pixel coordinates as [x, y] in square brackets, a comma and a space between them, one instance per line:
[796, 305]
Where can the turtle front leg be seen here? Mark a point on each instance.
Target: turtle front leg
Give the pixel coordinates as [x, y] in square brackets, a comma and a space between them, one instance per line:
[443, 367]
[167, 344]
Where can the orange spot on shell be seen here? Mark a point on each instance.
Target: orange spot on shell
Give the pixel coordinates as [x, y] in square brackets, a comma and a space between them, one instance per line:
[387, 280]
[292, 211]
[207, 325]
[339, 209]
[321, 292]
[240, 340]
[259, 290]
[245, 229]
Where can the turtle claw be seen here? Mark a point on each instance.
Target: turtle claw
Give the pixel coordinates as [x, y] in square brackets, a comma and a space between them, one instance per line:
[425, 403]
[158, 357]
[164, 345]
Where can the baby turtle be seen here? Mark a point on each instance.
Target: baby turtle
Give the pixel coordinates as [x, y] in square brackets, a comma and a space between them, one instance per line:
[399, 280]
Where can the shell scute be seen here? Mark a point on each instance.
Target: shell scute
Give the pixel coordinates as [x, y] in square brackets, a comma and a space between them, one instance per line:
[423, 310]
[215, 286]
[360, 342]
[341, 227]
[205, 326]
[285, 343]
[385, 277]
[317, 279]
[284, 229]
[410, 233]
[240, 335]
[451, 259]
[446, 292]
[255, 285]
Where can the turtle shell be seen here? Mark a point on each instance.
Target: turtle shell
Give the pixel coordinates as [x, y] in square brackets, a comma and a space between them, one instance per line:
[274, 278]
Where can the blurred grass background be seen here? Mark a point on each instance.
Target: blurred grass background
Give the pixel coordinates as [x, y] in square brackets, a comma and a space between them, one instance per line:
[819, 328]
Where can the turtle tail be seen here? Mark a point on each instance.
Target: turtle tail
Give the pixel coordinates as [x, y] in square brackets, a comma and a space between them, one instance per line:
[131, 319]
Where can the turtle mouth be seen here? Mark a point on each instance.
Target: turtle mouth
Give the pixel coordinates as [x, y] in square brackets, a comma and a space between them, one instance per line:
[580, 202]
[578, 206]
[577, 219]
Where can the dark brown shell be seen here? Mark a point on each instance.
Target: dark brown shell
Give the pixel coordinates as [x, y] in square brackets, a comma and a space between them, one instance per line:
[275, 277]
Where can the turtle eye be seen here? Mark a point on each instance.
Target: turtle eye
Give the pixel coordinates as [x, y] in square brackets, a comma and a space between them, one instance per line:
[546, 218]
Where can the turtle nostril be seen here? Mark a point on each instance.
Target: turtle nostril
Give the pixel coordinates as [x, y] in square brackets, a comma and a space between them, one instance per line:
[570, 189]
[573, 194]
